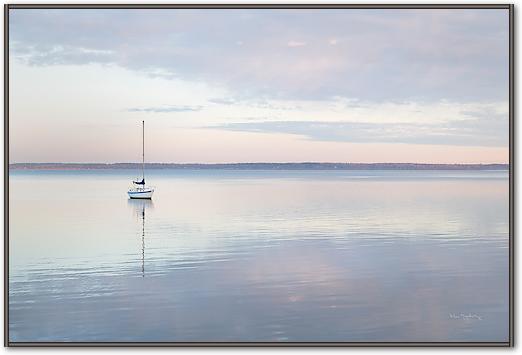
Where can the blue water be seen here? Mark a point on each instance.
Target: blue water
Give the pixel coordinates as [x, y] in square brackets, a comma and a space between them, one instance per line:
[259, 256]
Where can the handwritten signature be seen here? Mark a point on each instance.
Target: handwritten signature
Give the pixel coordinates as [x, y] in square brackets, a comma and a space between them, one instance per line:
[468, 316]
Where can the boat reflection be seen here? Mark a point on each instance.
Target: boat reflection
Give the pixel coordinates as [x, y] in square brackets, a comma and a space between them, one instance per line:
[139, 207]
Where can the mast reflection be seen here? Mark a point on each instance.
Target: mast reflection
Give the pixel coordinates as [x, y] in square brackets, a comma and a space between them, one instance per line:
[139, 207]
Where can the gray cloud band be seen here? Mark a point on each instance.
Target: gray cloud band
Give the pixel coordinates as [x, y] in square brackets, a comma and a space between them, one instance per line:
[291, 54]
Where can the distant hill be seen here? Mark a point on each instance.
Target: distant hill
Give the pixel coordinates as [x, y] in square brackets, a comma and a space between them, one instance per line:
[262, 166]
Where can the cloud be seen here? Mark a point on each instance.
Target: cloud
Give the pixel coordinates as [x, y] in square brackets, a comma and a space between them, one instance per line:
[296, 44]
[165, 109]
[61, 54]
[461, 55]
[222, 101]
[472, 132]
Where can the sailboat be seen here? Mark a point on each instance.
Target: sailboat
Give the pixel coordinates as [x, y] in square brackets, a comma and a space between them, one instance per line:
[139, 189]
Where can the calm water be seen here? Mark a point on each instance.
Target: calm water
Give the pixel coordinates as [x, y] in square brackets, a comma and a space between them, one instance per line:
[259, 256]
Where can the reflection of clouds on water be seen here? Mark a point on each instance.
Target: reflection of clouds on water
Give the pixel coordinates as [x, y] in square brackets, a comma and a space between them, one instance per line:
[313, 284]
[262, 260]
[292, 289]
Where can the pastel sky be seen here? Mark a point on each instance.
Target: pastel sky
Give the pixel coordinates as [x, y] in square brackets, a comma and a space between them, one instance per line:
[259, 85]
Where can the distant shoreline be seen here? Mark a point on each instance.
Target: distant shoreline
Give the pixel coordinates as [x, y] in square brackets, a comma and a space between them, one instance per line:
[259, 166]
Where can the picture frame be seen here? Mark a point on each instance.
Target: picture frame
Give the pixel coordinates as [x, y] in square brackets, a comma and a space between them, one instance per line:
[333, 7]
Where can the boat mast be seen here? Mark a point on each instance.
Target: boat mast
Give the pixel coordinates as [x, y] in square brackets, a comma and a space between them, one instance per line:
[143, 151]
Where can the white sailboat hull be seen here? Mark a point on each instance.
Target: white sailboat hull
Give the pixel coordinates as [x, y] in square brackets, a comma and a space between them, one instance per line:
[145, 193]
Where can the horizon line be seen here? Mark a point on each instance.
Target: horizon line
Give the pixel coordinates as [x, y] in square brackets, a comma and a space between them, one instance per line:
[257, 162]
[312, 166]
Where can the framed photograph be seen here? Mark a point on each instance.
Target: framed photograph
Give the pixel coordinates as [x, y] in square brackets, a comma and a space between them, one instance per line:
[258, 175]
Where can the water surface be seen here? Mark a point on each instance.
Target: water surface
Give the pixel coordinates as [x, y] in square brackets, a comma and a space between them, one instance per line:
[259, 256]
